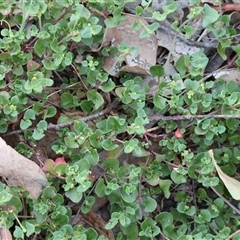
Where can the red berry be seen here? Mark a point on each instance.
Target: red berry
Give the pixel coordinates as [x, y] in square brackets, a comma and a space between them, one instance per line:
[178, 133]
[60, 160]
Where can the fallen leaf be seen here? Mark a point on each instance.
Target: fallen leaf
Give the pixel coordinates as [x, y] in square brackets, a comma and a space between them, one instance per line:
[228, 75]
[232, 185]
[20, 171]
[180, 48]
[139, 62]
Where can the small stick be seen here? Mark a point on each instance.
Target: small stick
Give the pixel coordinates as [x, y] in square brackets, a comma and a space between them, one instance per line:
[159, 117]
[70, 123]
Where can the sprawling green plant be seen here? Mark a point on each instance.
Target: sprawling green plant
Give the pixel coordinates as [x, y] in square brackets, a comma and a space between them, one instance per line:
[167, 184]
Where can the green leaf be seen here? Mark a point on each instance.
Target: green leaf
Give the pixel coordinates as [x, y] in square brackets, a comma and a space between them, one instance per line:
[181, 64]
[130, 146]
[40, 211]
[210, 15]
[129, 192]
[111, 186]
[56, 47]
[108, 144]
[222, 51]
[49, 191]
[153, 180]
[165, 186]
[32, 66]
[60, 169]
[111, 224]
[124, 220]
[149, 228]
[30, 228]
[49, 65]
[68, 59]
[199, 60]
[74, 195]
[70, 142]
[57, 60]
[159, 16]
[165, 218]
[80, 12]
[159, 101]
[108, 87]
[18, 233]
[86, 33]
[232, 87]
[95, 137]
[157, 71]
[64, 3]
[30, 114]
[170, 8]
[232, 123]
[189, 31]
[38, 134]
[15, 203]
[144, 34]
[139, 10]
[96, 29]
[111, 164]
[205, 214]
[184, 208]
[149, 204]
[177, 177]
[80, 127]
[102, 77]
[84, 165]
[18, 70]
[42, 125]
[3, 126]
[87, 204]
[87, 106]
[24, 124]
[50, 111]
[111, 22]
[136, 26]
[2, 72]
[92, 157]
[100, 188]
[5, 197]
[43, 35]
[131, 231]
[95, 97]
[91, 234]
[41, 46]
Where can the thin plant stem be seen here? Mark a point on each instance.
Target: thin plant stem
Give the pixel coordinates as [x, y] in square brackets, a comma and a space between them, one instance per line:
[226, 201]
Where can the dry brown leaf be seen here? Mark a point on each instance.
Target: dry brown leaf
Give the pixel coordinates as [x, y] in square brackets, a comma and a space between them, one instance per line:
[140, 62]
[96, 222]
[213, 2]
[232, 185]
[180, 48]
[228, 75]
[20, 171]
